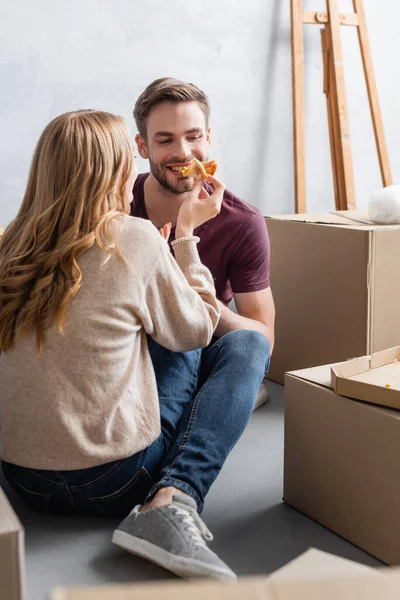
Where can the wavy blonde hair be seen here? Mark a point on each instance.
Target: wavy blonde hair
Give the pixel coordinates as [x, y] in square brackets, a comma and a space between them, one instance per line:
[76, 185]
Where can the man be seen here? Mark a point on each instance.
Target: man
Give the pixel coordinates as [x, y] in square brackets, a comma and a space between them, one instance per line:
[207, 393]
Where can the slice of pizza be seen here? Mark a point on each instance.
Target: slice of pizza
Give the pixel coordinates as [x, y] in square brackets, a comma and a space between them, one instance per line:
[200, 169]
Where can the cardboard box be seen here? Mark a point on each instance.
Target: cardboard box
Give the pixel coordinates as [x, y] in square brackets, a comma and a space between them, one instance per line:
[336, 285]
[12, 566]
[342, 463]
[374, 378]
[314, 575]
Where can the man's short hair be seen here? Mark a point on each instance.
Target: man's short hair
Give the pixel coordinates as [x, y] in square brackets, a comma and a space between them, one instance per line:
[167, 89]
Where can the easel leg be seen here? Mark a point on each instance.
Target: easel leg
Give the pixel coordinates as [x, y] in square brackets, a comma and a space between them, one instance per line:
[336, 135]
[326, 90]
[298, 105]
[345, 164]
[372, 94]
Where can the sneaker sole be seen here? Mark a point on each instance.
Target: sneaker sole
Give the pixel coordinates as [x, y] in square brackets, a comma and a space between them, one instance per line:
[183, 567]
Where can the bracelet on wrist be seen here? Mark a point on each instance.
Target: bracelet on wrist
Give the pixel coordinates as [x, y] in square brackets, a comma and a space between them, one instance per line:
[187, 238]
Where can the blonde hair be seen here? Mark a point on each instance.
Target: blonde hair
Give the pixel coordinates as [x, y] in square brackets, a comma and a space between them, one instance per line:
[75, 188]
[167, 89]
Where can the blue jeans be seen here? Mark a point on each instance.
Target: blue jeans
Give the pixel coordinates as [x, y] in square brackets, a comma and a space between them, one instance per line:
[206, 400]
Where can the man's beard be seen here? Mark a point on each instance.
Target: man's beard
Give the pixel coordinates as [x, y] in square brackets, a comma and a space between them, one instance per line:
[181, 186]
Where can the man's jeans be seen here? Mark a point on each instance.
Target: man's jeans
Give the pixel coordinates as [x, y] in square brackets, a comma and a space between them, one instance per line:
[206, 400]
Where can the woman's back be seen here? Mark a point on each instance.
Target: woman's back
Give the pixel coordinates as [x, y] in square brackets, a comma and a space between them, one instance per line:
[91, 396]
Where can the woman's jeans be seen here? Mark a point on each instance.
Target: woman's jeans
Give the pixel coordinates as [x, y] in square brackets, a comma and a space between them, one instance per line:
[206, 400]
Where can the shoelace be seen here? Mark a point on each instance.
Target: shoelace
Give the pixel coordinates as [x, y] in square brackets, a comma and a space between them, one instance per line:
[196, 526]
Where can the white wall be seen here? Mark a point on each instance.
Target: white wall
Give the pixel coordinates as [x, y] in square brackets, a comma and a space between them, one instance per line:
[58, 56]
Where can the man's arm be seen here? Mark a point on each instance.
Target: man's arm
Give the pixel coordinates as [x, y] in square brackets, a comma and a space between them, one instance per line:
[256, 311]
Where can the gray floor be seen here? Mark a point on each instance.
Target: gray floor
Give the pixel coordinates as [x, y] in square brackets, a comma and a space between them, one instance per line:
[254, 531]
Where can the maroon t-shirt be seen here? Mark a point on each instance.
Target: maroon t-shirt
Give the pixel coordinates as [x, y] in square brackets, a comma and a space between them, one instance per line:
[234, 245]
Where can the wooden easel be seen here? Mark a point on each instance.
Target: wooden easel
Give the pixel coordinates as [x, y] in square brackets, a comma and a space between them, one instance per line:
[334, 88]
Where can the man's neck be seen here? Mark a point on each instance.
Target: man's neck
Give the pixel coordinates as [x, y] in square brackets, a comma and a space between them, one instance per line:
[161, 205]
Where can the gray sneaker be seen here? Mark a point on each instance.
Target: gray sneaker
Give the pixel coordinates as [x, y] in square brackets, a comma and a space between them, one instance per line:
[174, 537]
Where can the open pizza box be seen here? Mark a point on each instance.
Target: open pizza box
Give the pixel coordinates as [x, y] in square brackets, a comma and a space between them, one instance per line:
[314, 575]
[374, 378]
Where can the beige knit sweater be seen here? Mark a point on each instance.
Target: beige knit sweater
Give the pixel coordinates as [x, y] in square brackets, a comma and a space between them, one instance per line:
[91, 397]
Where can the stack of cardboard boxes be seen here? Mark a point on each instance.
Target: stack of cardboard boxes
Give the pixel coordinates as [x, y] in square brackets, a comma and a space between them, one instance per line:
[336, 283]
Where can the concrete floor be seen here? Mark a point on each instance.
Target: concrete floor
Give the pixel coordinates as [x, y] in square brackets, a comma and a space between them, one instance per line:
[254, 531]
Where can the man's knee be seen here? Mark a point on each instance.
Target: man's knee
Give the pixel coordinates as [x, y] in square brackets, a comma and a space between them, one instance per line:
[246, 344]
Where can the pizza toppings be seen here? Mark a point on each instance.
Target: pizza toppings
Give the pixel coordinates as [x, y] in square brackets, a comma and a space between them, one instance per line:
[200, 169]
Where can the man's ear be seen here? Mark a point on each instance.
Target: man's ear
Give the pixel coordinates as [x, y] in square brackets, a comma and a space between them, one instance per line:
[208, 137]
[141, 145]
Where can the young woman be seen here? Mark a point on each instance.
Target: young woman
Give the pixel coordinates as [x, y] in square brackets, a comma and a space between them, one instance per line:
[84, 290]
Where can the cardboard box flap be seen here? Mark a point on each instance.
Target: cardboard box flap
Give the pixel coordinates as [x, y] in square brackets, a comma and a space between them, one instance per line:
[320, 375]
[353, 219]
[377, 585]
[319, 218]
[9, 522]
[249, 588]
[362, 216]
[358, 216]
[315, 564]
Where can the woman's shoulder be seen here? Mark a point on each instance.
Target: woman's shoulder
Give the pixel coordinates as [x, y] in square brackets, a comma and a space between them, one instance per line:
[136, 234]
[135, 228]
